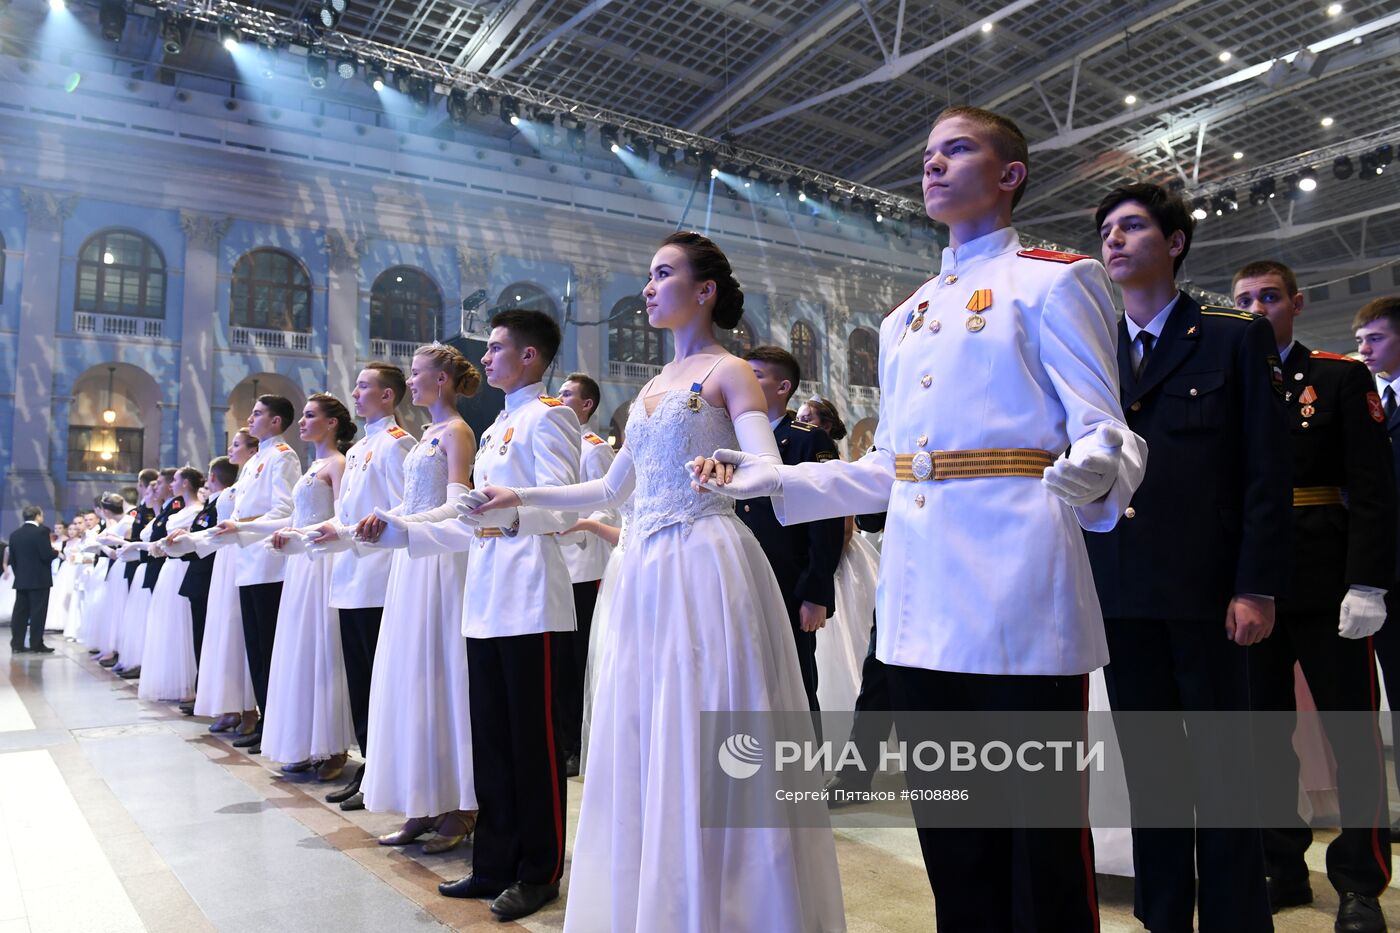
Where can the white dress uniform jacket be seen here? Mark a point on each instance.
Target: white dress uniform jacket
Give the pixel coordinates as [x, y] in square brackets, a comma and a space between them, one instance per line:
[585, 554]
[373, 479]
[518, 584]
[987, 575]
[264, 493]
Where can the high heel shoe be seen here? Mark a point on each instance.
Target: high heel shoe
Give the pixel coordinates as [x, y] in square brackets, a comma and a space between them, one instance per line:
[297, 767]
[446, 842]
[408, 833]
[331, 768]
[225, 722]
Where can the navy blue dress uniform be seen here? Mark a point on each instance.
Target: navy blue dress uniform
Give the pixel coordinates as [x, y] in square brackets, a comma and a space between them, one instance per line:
[1210, 521]
[804, 557]
[195, 585]
[1343, 536]
[157, 533]
[141, 517]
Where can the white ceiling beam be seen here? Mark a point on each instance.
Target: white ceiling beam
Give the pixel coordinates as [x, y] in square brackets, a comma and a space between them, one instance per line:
[783, 52]
[489, 40]
[1290, 230]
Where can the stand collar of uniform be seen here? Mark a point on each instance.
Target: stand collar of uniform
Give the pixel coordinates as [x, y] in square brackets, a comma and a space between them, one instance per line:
[991, 244]
[523, 394]
[1283, 354]
[1158, 322]
[378, 425]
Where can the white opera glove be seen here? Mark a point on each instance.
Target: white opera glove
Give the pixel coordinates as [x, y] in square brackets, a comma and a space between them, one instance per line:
[395, 533]
[609, 491]
[180, 546]
[156, 549]
[756, 463]
[1089, 470]
[496, 518]
[1363, 612]
[339, 538]
[129, 553]
[293, 542]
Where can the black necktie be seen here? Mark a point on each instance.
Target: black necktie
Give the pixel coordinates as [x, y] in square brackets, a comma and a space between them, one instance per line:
[1389, 402]
[1147, 340]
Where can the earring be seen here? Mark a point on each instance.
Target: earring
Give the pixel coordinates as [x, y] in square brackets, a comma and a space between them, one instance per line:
[702, 301]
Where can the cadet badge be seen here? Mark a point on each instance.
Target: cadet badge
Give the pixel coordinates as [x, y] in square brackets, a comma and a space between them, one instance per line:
[980, 301]
[1307, 396]
[1373, 404]
[1276, 373]
[919, 320]
[505, 441]
[259, 470]
[433, 446]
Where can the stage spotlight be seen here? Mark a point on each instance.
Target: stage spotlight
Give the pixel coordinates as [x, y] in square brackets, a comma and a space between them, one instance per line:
[459, 106]
[112, 17]
[374, 75]
[607, 137]
[1288, 187]
[1383, 156]
[1198, 209]
[578, 138]
[1224, 202]
[267, 59]
[175, 33]
[345, 67]
[58, 6]
[1341, 168]
[421, 90]
[510, 111]
[316, 69]
[641, 146]
[1307, 180]
[544, 127]
[330, 13]
[693, 157]
[1261, 191]
[484, 102]
[228, 33]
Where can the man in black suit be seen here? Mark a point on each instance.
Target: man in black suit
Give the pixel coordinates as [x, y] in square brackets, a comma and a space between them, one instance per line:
[1187, 578]
[31, 558]
[1343, 563]
[804, 557]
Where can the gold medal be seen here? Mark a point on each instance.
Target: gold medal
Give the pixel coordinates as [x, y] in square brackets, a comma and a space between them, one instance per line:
[1309, 411]
[976, 323]
[918, 323]
[1308, 395]
[505, 441]
[693, 402]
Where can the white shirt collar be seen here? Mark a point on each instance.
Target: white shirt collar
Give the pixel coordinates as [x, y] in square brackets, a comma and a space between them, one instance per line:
[379, 424]
[1156, 325]
[523, 394]
[989, 244]
[1283, 354]
[1382, 383]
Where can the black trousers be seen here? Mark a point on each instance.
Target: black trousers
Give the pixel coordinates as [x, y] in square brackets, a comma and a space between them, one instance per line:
[517, 762]
[571, 669]
[259, 605]
[806, 659]
[1012, 879]
[1387, 645]
[1188, 666]
[199, 611]
[30, 611]
[1341, 673]
[873, 718]
[359, 633]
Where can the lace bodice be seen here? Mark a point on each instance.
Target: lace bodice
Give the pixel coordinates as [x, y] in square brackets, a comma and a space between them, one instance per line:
[424, 478]
[312, 500]
[661, 444]
[223, 507]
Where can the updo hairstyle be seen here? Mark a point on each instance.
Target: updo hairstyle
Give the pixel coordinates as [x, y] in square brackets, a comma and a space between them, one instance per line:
[448, 359]
[709, 264]
[333, 407]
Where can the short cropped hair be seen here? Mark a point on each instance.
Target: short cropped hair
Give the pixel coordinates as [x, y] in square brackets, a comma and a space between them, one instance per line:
[223, 470]
[31, 512]
[391, 378]
[777, 356]
[1260, 267]
[531, 329]
[1006, 138]
[1168, 211]
[1387, 309]
[278, 407]
[147, 476]
[588, 387]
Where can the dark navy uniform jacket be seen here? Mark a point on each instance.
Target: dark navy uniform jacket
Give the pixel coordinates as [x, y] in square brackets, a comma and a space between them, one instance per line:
[158, 532]
[1213, 515]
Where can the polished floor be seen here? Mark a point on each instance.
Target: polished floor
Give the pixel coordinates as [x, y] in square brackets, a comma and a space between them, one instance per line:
[119, 815]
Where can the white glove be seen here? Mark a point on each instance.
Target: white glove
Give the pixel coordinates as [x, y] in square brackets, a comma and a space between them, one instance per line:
[156, 549]
[293, 542]
[754, 477]
[180, 546]
[1363, 612]
[129, 553]
[496, 518]
[1086, 475]
[395, 533]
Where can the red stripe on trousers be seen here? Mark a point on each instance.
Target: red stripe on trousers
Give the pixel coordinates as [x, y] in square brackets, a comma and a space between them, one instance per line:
[553, 760]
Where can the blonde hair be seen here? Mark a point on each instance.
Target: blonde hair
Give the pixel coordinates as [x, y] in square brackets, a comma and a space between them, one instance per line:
[448, 359]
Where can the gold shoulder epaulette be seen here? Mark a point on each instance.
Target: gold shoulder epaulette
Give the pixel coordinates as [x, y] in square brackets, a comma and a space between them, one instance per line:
[801, 425]
[1324, 355]
[284, 447]
[551, 401]
[1051, 255]
[1226, 312]
[593, 438]
[396, 432]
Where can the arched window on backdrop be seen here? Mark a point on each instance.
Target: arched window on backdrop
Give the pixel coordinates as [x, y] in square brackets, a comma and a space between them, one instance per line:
[862, 357]
[405, 304]
[529, 296]
[270, 291]
[631, 339]
[803, 343]
[738, 341]
[121, 272]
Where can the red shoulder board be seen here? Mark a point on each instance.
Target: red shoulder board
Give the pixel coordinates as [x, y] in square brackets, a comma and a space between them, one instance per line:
[1050, 255]
[396, 431]
[593, 438]
[284, 447]
[550, 401]
[1324, 355]
[132, 513]
[178, 503]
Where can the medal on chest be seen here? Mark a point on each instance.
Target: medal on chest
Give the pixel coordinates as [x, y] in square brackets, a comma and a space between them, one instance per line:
[433, 447]
[980, 301]
[693, 401]
[505, 441]
[368, 457]
[918, 321]
[1306, 399]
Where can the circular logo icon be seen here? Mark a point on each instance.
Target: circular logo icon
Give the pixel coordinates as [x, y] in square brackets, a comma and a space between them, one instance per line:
[740, 756]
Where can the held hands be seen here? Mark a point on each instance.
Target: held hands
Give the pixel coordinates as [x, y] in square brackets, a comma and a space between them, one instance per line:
[226, 527]
[1363, 612]
[288, 541]
[178, 544]
[1249, 620]
[390, 531]
[1086, 474]
[489, 507]
[811, 617]
[736, 474]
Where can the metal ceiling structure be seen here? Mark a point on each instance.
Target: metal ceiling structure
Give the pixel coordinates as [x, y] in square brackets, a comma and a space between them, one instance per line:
[1216, 96]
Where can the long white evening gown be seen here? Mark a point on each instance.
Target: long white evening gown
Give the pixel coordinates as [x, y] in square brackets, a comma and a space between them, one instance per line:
[602, 612]
[104, 611]
[167, 664]
[420, 756]
[65, 580]
[844, 642]
[697, 623]
[308, 698]
[225, 684]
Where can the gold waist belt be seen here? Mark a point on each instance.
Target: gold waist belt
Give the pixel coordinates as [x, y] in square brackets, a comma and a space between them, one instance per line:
[1317, 495]
[971, 464]
[490, 533]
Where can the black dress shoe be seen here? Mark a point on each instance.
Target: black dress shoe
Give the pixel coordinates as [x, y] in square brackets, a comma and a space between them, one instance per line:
[94, 650]
[1360, 913]
[846, 788]
[1283, 894]
[356, 802]
[342, 794]
[471, 886]
[571, 766]
[522, 899]
[109, 662]
[20, 650]
[250, 740]
[42, 649]
[131, 673]
[187, 709]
